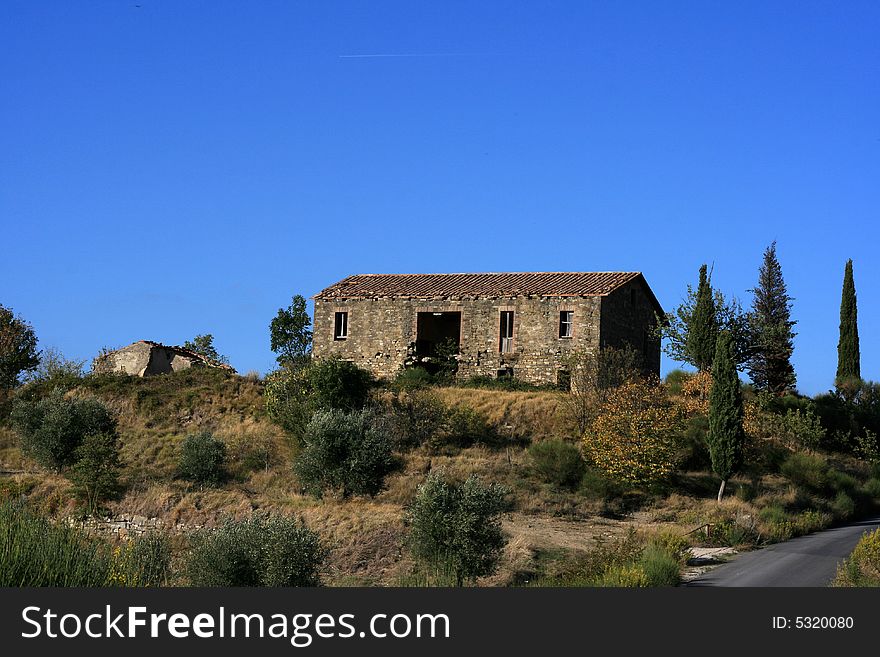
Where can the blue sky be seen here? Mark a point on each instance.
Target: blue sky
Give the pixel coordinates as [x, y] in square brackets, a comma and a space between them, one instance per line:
[170, 168]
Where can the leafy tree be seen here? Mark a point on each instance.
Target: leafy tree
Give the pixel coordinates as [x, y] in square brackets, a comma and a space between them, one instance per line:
[290, 333]
[456, 528]
[770, 326]
[677, 328]
[203, 345]
[848, 366]
[339, 384]
[635, 436]
[95, 474]
[18, 348]
[202, 460]
[349, 451]
[259, 551]
[50, 429]
[726, 437]
[289, 402]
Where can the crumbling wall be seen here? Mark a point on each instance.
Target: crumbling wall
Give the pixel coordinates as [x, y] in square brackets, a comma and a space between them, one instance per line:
[382, 333]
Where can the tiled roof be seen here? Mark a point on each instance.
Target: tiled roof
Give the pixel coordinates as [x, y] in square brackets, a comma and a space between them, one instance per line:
[540, 284]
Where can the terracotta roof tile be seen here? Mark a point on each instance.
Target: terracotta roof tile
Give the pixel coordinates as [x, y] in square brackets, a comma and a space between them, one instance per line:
[542, 284]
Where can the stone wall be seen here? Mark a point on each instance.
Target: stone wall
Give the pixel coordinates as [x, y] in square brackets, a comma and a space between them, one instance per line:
[382, 333]
[628, 316]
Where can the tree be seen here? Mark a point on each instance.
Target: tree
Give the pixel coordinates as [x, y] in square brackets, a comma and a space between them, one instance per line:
[290, 333]
[726, 437]
[203, 345]
[349, 451]
[848, 366]
[202, 460]
[259, 551]
[456, 528]
[18, 348]
[770, 327]
[635, 435]
[339, 384]
[680, 329]
[703, 328]
[95, 474]
[50, 429]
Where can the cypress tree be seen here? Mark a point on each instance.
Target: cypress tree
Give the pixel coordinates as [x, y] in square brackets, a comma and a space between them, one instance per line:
[725, 437]
[770, 328]
[848, 366]
[703, 327]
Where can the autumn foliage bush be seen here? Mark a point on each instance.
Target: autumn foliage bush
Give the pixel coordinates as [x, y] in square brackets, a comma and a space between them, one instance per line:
[635, 436]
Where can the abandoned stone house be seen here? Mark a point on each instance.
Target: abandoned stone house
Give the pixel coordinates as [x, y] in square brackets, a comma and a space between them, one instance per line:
[145, 358]
[507, 324]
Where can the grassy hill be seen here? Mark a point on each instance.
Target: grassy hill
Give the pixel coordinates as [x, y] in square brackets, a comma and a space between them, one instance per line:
[553, 529]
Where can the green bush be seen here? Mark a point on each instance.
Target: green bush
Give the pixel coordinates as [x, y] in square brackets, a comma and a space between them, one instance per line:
[417, 417]
[806, 471]
[36, 552]
[95, 475]
[467, 427]
[456, 527]
[347, 451]
[339, 384]
[288, 397]
[259, 551]
[411, 378]
[202, 460]
[557, 462]
[142, 561]
[50, 429]
[843, 506]
[660, 565]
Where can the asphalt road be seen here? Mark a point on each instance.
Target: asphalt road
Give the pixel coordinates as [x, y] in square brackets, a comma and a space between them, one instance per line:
[804, 561]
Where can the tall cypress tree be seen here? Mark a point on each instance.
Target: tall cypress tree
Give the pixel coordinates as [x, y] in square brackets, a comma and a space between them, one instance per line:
[725, 437]
[848, 366]
[770, 328]
[703, 327]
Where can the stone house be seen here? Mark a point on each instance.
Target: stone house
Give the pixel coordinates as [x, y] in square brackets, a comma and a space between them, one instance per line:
[145, 358]
[506, 324]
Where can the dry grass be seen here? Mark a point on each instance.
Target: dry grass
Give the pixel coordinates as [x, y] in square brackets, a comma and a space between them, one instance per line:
[535, 415]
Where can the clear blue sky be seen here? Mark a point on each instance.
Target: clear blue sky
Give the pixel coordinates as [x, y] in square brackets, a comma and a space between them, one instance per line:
[170, 168]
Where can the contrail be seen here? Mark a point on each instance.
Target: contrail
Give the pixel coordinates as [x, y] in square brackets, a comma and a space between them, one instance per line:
[407, 54]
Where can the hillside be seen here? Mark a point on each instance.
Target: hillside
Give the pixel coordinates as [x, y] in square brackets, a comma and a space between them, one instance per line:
[551, 528]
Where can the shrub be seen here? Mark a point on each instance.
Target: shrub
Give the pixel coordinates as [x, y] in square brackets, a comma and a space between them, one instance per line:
[660, 566]
[142, 561]
[35, 552]
[457, 527]
[350, 451]
[843, 506]
[635, 437]
[411, 378]
[57, 371]
[805, 471]
[259, 551]
[557, 462]
[95, 475]
[630, 575]
[466, 427]
[339, 384]
[202, 460]
[50, 429]
[289, 403]
[862, 568]
[417, 417]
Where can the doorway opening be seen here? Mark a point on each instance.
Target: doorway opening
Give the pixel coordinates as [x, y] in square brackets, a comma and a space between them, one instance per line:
[438, 339]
